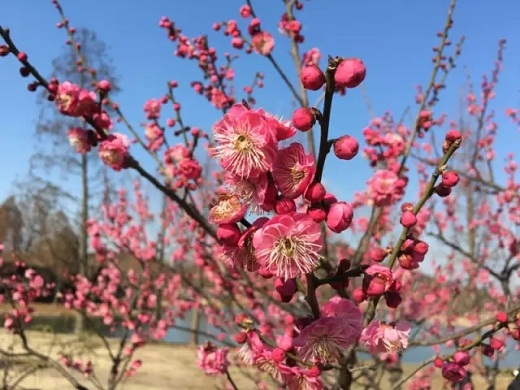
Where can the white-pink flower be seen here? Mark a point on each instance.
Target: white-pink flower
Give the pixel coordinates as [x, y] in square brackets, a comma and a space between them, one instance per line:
[213, 360]
[245, 143]
[288, 245]
[380, 337]
[113, 151]
[385, 187]
[338, 327]
[293, 170]
[78, 139]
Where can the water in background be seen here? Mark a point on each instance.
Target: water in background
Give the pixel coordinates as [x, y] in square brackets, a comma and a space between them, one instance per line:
[65, 324]
[414, 355]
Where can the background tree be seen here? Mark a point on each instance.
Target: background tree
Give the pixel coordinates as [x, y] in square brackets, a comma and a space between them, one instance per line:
[53, 150]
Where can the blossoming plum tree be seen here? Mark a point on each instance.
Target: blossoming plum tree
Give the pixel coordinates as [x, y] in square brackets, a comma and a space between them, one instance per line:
[262, 227]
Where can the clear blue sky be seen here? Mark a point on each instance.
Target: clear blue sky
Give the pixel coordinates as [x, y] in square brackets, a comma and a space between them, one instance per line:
[393, 38]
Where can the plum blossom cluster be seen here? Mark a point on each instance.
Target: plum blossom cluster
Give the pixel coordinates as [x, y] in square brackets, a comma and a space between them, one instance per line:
[212, 360]
[263, 177]
[72, 100]
[280, 186]
[20, 291]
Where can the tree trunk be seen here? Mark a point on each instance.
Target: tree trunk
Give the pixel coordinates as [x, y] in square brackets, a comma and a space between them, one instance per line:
[196, 317]
[83, 237]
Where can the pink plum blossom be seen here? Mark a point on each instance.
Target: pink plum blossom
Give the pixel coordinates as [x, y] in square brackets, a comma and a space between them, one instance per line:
[293, 170]
[245, 145]
[380, 337]
[213, 360]
[288, 245]
[113, 151]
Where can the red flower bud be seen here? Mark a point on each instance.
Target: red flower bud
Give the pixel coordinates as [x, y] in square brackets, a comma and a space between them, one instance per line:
[501, 317]
[346, 147]
[393, 299]
[359, 295]
[228, 233]
[315, 192]
[453, 135]
[339, 217]
[317, 214]
[421, 248]
[278, 355]
[312, 77]
[461, 358]
[438, 362]
[104, 86]
[377, 254]
[303, 119]
[350, 73]
[487, 350]
[496, 344]
[450, 179]
[4, 50]
[22, 57]
[285, 205]
[287, 288]
[442, 191]
[408, 219]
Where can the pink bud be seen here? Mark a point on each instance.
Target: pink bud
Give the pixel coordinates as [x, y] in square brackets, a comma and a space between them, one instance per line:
[359, 295]
[22, 57]
[245, 11]
[453, 372]
[317, 214]
[453, 135]
[501, 317]
[496, 344]
[450, 179]
[438, 362]
[329, 199]
[346, 147]
[104, 86]
[315, 192]
[393, 299]
[377, 280]
[4, 50]
[377, 254]
[228, 233]
[408, 219]
[339, 217]
[442, 191]
[421, 248]
[285, 205]
[303, 119]
[312, 77]
[461, 358]
[278, 355]
[350, 73]
[487, 350]
[287, 288]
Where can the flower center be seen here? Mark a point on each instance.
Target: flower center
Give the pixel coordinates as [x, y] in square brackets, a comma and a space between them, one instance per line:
[287, 246]
[243, 143]
[297, 174]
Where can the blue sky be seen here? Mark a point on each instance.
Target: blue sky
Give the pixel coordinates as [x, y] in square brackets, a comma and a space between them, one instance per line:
[393, 38]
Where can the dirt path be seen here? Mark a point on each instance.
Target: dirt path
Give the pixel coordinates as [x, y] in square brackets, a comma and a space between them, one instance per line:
[164, 366]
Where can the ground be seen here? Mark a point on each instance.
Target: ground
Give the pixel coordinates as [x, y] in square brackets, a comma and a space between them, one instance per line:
[165, 366]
